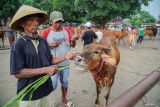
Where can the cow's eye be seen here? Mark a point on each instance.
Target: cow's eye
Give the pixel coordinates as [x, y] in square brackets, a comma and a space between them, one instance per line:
[96, 52]
[106, 50]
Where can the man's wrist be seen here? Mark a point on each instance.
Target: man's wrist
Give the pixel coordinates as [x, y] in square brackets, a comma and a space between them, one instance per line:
[64, 57]
[41, 71]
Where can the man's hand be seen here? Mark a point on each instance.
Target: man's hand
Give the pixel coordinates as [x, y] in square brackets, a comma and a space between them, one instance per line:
[50, 70]
[70, 55]
[108, 59]
[54, 44]
[75, 38]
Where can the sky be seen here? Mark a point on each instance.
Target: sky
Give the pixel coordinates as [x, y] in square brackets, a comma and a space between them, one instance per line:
[153, 8]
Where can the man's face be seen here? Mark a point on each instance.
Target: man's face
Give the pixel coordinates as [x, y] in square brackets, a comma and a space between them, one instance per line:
[30, 24]
[57, 25]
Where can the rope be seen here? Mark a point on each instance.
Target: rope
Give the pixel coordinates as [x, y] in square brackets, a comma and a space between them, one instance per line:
[31, 88]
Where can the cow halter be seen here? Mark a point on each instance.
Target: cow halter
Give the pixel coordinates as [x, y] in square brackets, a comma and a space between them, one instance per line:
[97, 75]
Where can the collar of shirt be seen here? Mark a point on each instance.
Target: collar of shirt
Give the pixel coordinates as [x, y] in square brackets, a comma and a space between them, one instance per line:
[36, 37]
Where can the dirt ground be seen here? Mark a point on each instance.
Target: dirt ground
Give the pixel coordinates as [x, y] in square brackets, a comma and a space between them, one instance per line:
[133, 67]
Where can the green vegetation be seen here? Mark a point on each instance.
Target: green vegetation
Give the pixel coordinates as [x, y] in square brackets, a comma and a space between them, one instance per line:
[100, 11]
[142, 17]
[8, 7]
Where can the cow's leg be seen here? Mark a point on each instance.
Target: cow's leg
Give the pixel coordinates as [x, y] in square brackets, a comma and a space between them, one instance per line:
[118, 41]
[123, 42]
[3, 41]
[98, 90]
[107, 94]
[108, 88]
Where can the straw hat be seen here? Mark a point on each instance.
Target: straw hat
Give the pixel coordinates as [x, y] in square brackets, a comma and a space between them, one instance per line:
[24, 11]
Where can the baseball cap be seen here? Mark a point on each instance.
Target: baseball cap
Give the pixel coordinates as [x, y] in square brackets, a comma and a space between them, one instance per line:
[88, 24]
[56, 16]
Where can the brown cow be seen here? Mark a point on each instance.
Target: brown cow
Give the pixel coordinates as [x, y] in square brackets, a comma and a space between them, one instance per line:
[103, 73]
[2, 34]
[148, 32]
[120, 35]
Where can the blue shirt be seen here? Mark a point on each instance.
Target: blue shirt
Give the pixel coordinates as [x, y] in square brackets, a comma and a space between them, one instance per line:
[24, 55]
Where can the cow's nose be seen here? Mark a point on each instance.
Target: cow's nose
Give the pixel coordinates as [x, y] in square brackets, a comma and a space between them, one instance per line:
[78, 58]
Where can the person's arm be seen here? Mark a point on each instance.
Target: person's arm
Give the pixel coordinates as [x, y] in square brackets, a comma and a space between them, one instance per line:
[28, 73]
[17, 63]
[72, 40]
[68, 56]
[44, 34]
[56, 60]
[95, 38]
[76, 37]
[83, 36]
[54, 44]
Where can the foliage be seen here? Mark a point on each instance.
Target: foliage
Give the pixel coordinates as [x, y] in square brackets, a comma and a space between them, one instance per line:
[45, 5]
[8, 8]
[67, 8]
[136, 21]
[102, 11]
[146, 17]
[99, 11]
[142, 17]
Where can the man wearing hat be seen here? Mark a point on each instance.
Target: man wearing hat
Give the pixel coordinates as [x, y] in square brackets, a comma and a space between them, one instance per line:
[89, 35]
[60, 41]
[31, 57]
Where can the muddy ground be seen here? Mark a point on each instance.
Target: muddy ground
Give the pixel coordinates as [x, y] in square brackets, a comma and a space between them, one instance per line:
[133, 67]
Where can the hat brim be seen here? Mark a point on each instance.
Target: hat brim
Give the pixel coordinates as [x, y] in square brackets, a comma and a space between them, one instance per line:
[24, 11]
[58, 19]
[17, 24]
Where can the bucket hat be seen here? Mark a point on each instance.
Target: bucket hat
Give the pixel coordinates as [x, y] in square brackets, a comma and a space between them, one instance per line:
[24, 11]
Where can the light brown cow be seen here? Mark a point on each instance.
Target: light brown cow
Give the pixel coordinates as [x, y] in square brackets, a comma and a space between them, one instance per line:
[120, 35]
[102, 72]
[148, 32]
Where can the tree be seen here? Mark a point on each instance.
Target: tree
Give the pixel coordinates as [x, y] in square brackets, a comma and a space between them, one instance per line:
[99, 11]
[147, 17]
[67, 8]
[136, 21]
[8, 8]
[102, 11]
[142, 17]
[46, 5]
[158, 19]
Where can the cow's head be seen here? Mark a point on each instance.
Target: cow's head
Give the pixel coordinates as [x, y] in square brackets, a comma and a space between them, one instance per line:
[92, 53]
